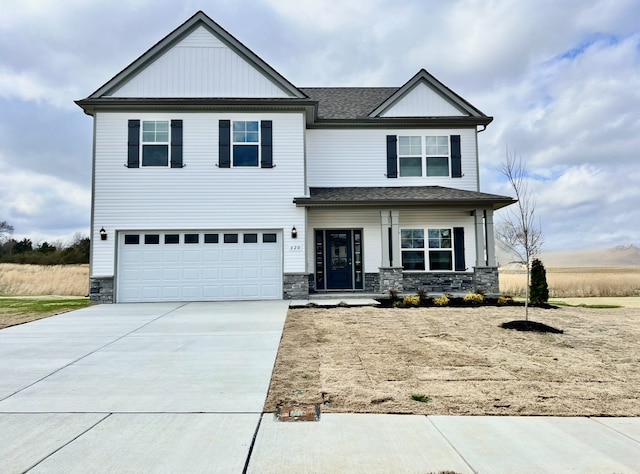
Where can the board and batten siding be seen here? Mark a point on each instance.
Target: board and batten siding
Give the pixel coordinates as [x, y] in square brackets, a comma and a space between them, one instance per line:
[422, 101]
[200, 66]
[333, 219]
[441, 219]
[359, 158]
[201, 195]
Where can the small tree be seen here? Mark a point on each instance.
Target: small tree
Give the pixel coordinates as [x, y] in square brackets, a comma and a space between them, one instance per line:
[518, 232]
[5, 229]
[539, 292]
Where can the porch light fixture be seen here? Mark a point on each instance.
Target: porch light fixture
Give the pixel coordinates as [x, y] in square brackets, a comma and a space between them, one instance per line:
[294, 233]
[103, 234]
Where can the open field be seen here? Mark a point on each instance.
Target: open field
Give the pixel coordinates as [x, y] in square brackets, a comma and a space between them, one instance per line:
[578, 282]
[458, 361]
[63, 280]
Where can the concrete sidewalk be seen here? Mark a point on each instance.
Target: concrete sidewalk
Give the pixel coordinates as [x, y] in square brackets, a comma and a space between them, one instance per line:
[180, 387]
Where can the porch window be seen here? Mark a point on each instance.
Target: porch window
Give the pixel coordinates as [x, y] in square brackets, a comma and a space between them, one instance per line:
[413, 250]
[440, 249]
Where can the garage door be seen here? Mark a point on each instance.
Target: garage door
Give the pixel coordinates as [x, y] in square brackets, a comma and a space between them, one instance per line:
[199, 266]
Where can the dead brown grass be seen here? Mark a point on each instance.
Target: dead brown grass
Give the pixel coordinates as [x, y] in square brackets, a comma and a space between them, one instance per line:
[63, 280]
[578, 282]
[373, 360]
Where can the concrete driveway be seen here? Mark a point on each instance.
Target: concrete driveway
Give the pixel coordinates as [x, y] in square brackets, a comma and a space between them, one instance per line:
[173, 387]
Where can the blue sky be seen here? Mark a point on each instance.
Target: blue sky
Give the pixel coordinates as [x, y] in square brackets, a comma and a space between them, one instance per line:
[561, 78]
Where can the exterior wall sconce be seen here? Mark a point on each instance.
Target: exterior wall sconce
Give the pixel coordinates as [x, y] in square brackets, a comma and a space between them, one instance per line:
[294, 233]
[103, 234]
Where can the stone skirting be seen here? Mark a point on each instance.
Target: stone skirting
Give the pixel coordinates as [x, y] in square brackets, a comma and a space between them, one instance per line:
[483, 279]
[101, 290]
[391, 278]
[295, 286]
[371, 282]
[487, 279]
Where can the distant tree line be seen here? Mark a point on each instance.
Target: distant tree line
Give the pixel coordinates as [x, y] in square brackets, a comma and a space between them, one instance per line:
[44, 253]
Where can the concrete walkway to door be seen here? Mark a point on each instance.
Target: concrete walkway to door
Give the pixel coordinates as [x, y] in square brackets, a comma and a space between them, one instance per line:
[173, 387]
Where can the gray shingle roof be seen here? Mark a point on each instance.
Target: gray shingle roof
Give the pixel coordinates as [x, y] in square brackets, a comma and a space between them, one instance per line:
[347, 102]
[405, 195]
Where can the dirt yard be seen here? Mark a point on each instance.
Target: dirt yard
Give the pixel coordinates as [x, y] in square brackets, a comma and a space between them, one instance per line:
[459, 361]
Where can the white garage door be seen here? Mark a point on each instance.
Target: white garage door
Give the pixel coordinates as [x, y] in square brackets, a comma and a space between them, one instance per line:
[199, 266]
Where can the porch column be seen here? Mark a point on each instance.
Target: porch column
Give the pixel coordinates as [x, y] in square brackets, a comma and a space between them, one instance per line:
[384, 231]
[491, 243]
[478, 218]
[395, 239]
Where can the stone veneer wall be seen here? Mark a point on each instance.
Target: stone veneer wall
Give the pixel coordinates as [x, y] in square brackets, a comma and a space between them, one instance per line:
[101, 290]
[439, 282]
[371, 282]
[391, 278]
[295, 286]
[487, 279]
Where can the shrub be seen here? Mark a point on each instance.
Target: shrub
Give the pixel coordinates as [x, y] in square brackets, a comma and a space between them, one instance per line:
[474, 298]
[422, 293]
[539, 290]
[505, 300]
[411, 300]
[441, 301]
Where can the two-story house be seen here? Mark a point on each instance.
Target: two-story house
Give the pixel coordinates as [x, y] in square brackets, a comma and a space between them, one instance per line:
[215, 178]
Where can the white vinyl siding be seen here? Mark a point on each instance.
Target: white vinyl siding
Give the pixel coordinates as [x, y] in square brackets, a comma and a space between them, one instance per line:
[200, 66]
[359, 158]
[422, 101]
[201, 195]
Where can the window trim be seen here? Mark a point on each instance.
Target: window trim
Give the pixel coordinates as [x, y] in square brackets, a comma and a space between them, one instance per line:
[424, 156]
[166, 144]
[256, 144]
[427, 248]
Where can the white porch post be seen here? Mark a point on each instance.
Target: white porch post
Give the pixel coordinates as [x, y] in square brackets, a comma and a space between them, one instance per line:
[384, 230]
[478, 215]
[395, 239]
[491, 243]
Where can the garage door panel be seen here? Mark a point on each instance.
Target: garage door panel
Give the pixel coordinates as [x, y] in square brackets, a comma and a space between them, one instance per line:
[210, 269]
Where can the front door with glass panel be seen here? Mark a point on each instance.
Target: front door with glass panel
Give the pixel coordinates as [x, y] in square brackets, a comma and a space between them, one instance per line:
[339, 259]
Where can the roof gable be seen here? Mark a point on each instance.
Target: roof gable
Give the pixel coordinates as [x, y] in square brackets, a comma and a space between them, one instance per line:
[424, 96]
[198, 59]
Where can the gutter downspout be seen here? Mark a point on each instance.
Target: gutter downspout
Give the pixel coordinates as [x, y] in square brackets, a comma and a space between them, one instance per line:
[484, 127]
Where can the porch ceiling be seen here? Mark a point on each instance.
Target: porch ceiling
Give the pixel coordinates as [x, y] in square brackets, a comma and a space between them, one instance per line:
[433, 196]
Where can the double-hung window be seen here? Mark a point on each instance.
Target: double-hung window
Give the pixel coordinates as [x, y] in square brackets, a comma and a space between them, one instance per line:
[246, 143]
[424, 156]
[410, 156]
[436, 250]
[155, 143]
[440, 249]
[437, 155]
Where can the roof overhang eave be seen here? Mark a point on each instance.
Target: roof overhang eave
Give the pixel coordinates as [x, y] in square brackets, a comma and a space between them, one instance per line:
[90, 106]
[460, 203]
[402, 122]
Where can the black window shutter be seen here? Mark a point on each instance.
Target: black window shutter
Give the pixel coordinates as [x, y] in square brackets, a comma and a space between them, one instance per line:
[392, 157]
[456, 157]
[266, 144]
[133, 152]
[224, 144]
[176, 144]
[458, 249]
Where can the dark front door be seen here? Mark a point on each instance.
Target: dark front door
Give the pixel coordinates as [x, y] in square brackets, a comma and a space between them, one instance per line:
[339, 262]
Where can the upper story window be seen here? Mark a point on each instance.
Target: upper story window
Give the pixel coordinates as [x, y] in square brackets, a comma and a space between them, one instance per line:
[246, 143]
[410, 156]
[243, 143]
[158, 141]
[155, 143]
[437, 154]
[433, 157]
[430, 156]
